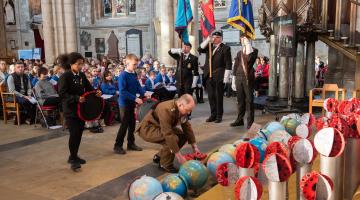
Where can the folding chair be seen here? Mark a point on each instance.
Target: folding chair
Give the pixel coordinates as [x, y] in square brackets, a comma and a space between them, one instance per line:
[42, 109]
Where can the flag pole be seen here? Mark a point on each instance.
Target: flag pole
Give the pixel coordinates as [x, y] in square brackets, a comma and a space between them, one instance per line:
[181, 61]
[210, 60]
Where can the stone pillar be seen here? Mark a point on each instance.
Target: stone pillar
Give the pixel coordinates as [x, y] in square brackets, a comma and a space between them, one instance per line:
[48, 29]
[167, 30]
[273, 69]
[284, 78]
[70, 26]
[324, 15]
[353, 18]
[194, 27]
[2, 33]
[300, 72]
[59, 12]
[338, 19]
[310, 66]
[54, 17]
[113, 8]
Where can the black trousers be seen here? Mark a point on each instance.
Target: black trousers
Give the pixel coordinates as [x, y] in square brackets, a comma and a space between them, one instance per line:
[258, 81]
[76, 128]
[215, 91]
[127, 115]
[28, 107]
[245, 99]
[184, 89]
[199, 92]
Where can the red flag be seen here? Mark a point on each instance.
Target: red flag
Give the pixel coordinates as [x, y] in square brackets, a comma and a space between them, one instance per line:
[207, 19]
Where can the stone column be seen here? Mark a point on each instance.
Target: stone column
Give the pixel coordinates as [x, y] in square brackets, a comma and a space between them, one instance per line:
[2, 33]
[324, 15]
[310, 66]
[167, 30]
[48, 29]
[353, 21]
[54, 17]
[338, 19]
[273, 69]
[70, 26]
[59, 12]
[284, 78]
[113, 8]
[194, 27]
[300, 72]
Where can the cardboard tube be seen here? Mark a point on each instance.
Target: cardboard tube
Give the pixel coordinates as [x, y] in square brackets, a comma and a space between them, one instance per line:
[352, 167]
[334, 168]
[277, 190]
[301, 170]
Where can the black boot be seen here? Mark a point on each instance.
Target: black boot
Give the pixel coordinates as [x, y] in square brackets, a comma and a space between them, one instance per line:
[237, 123]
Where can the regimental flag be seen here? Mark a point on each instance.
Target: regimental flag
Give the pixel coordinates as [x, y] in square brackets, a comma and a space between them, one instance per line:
[207, 19]
[183, 18]
[241, 17]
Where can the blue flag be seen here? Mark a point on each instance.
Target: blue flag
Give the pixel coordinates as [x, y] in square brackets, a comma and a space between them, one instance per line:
[183, 18]
[241, 17]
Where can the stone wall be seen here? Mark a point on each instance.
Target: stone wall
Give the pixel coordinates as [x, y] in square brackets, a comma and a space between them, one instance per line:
[102, 27]
[19, 34]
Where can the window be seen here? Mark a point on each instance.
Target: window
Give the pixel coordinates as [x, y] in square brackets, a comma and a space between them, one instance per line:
[122, 7]
[220, 3]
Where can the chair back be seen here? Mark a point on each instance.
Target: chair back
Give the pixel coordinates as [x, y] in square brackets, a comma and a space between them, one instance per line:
[8, 99]
[330, 88]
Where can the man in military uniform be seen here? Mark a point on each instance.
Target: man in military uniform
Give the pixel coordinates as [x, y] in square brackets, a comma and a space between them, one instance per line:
[219, 73]
[243, 82]
[160, 126]
[187, 73]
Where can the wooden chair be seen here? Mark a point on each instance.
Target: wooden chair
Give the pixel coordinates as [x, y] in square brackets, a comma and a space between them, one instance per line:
[326, 88]
[9, 104]
[356, 93]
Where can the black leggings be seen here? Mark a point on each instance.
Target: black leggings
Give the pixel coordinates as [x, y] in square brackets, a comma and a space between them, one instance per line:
[76, 128]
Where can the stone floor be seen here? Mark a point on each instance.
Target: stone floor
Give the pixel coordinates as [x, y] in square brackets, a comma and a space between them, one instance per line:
[33, 159]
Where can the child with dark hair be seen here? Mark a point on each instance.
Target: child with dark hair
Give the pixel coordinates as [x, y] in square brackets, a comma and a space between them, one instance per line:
[47, 95]
[72, 85]
[108, 87]
[150, 82]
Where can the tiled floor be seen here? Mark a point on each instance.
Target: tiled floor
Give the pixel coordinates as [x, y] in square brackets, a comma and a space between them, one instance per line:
[33, 160]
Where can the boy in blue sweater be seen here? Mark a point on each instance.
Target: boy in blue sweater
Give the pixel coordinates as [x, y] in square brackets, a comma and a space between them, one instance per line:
[129, 87]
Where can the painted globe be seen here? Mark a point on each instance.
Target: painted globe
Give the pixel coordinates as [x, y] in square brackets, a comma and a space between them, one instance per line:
[290, 125]
[260, 144]
[274, 126]
[194, 173]
[168, 196]
[174, 183]
[145, 188]
[217, 159]
[229, 149]
[264, 133]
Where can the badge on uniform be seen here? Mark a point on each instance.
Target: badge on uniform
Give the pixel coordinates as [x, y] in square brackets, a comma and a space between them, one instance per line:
[189, 65]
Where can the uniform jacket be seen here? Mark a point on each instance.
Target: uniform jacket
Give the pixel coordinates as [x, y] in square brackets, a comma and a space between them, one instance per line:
[70, 90]
[189, 67]
[159, 124]
[159, 79]
[238, 69]
[221, 61]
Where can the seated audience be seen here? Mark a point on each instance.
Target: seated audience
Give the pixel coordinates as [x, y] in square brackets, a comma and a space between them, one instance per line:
[96, 80]
[149, 84]
[108, 87]
[19, 84]
[161, 77]
[171, 76]
[3, 72]
[261, 74]
[47, 95]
